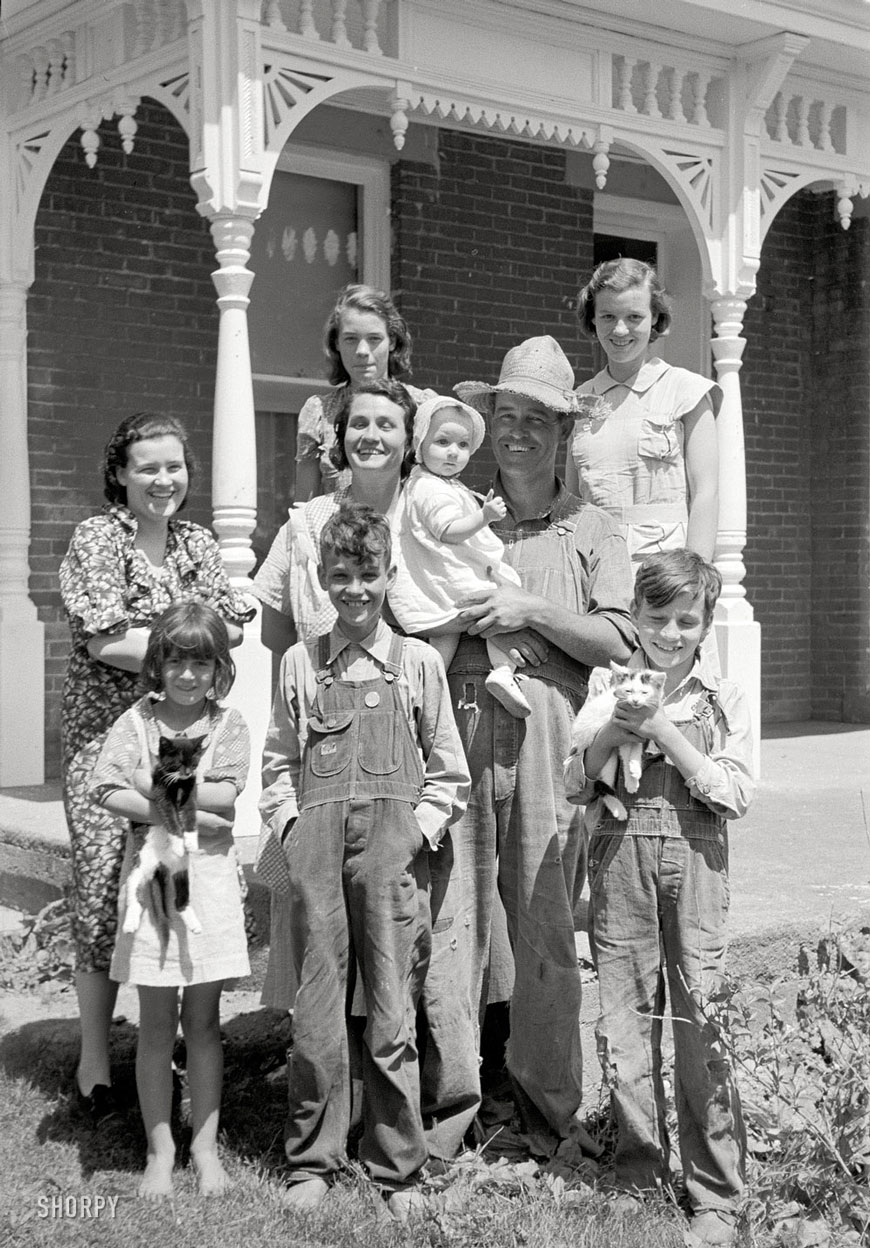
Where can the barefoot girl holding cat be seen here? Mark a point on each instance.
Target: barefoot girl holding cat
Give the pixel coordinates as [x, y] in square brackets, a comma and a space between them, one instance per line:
[186, 670]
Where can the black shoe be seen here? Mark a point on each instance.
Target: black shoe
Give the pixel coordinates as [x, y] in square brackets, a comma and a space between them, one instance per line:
[99, 1106]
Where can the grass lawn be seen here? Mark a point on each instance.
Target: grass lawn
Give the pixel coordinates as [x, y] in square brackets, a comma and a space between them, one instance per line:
[55, 1166]
[802, 1049]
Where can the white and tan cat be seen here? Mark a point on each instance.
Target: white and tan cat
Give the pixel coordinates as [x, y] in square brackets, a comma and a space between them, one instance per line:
[631, 686]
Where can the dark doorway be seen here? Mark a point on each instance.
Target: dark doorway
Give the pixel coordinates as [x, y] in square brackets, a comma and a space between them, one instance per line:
[611, 247]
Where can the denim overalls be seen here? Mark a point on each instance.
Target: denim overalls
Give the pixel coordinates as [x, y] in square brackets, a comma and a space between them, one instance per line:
[360, 891]
[658, 907]
[521, 835]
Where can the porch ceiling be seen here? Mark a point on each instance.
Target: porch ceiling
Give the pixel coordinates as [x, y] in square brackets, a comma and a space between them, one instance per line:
[839, 30]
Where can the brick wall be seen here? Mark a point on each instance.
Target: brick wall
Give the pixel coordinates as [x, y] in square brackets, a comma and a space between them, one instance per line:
[840, 476]
[121, 317]
[489, 247]
[775, 382]
[806, 399]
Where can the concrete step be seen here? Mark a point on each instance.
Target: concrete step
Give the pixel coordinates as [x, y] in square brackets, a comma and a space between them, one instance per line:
[800, 859]
[35, 855]
[34, 847]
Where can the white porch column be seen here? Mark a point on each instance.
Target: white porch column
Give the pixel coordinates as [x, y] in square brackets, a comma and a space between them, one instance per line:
[22, 654]
[737, 634]
[234, 465]
[226, 172]
[234, 492]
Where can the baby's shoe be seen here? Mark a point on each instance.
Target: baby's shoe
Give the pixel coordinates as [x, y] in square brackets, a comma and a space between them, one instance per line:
[502, 684]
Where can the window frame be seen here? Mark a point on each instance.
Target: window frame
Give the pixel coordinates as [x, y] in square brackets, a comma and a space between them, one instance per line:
[274, 392]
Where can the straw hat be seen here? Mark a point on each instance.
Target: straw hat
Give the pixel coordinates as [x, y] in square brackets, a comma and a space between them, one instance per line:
[537, 369]
[427, 409]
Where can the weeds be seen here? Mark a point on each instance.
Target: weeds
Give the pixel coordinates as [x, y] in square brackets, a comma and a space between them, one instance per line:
[42, 952]
[802, 1051]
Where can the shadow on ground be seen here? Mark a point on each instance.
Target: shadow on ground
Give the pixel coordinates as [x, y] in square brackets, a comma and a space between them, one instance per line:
[44, 1053]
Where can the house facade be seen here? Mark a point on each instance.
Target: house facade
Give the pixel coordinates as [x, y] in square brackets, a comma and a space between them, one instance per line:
[185, 186]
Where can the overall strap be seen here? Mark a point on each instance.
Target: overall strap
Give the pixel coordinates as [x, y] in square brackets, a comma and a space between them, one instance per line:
[394, 662]
[323, 674]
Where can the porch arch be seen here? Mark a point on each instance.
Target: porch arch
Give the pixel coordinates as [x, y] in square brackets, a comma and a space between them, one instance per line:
[33, 152]
[694, 189]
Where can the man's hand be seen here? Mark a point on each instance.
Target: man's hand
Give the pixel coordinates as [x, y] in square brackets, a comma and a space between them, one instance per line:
[525, 647]
[502, 609]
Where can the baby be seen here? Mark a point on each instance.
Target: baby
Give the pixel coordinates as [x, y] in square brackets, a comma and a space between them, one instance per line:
[446, 549]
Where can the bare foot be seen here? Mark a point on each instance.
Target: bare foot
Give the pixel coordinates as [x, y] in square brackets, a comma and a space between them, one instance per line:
[156, 1183]
[213, 1179]
[305, 1195]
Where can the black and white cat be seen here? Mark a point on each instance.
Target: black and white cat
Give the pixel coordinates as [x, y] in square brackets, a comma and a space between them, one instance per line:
[635, 687]
[163, 856]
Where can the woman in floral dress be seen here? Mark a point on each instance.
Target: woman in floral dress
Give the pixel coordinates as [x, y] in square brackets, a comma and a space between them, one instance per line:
[122, 569]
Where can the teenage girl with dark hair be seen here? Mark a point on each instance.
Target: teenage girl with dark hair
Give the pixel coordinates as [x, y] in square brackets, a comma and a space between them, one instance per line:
[365, 339]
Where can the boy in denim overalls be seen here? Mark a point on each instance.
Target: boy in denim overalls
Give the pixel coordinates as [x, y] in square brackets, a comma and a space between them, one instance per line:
[362, 770]
[659, 898]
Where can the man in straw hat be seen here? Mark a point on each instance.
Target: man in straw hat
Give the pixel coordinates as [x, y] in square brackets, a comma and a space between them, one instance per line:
[519, 832]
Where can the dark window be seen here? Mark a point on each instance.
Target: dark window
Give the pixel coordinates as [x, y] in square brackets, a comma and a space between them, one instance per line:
[305, 249]
[611, 247]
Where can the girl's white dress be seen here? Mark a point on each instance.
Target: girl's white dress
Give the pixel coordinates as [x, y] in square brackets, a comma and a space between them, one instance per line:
[433, 575]
[220, 951]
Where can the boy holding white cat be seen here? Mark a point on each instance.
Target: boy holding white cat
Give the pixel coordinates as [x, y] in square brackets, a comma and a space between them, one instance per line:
[659, 896]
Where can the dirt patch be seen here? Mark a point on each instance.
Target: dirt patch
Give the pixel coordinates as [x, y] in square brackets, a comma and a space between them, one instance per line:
[243, 1019]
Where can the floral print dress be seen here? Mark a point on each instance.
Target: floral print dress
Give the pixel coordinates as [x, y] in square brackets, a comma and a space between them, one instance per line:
[108, 586]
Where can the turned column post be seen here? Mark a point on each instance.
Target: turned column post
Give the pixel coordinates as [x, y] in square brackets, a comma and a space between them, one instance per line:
[234, 463]
[22, 655]
[737, 634]
[228, 175]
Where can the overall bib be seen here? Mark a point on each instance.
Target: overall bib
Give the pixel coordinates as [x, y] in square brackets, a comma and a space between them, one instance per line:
[359, 895]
